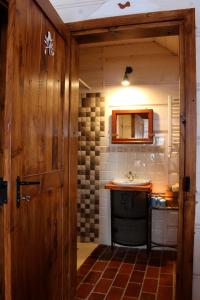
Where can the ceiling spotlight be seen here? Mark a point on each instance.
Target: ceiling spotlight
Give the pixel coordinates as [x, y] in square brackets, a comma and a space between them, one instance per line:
[125, 81]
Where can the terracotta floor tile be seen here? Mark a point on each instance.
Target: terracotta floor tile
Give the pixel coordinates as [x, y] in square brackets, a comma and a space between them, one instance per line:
[133, 289]
[92, 277]
[90, 261]
[150, 285]
[141, 261]
[130, 258]
[96, 296]
[154, 262]
[152, 272]
[126, 268]
[156, 253]
[170, 255]
[98, 251]
[114, 264]
[166, 279]
[121, 280]
[107, 255]
[78, 279]
[165, 293]
[83, 270]
[130, 298]
[147, 296]
[109, 273]
[121, 265]
[137, 276]
[84, 290]
[103, 285]
[140, 267]
[114, 294]
[167, 269]
[99, 265]
[119, 254]
[143, 254]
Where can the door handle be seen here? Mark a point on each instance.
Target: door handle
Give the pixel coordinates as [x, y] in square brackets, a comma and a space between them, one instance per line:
[20, 183]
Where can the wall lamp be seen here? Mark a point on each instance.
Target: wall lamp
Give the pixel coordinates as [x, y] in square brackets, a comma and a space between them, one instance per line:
[125, 81]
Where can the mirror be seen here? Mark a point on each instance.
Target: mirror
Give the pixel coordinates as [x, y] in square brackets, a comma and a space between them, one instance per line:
[132, 126]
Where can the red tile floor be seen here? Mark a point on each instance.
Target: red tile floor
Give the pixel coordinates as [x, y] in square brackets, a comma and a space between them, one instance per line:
[124, 273]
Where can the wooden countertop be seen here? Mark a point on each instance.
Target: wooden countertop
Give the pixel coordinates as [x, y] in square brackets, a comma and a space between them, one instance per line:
[140, 188]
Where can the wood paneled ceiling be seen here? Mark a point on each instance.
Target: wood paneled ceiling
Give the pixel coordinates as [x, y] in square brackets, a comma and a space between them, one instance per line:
[155, 62]
[76, 10]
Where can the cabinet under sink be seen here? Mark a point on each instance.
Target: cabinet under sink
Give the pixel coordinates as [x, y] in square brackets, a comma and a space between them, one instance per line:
[130, 215]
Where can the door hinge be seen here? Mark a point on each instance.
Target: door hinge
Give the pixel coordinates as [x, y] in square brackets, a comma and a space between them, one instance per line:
[3, 191]
[186, 184]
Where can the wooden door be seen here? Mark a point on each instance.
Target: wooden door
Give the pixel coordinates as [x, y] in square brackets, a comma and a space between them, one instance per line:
[36, 150]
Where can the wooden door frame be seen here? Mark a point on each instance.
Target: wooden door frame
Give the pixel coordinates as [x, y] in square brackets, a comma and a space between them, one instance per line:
[3, 35]
[185, 20]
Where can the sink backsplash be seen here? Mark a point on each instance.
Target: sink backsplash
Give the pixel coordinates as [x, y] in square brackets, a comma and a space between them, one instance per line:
[148, 165]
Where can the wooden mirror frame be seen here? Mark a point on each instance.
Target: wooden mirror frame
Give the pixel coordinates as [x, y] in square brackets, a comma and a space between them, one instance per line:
[148, 140]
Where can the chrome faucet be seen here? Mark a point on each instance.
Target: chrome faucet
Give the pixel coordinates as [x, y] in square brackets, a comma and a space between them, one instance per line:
[131, 176]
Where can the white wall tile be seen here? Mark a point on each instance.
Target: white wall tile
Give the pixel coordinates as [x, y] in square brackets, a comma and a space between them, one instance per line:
[198, 109]
[196, 287]
[172, 219]
[198, 56]
[197, 209]
[157, 235]
[171, 236]
[198, 166]
[104, 230]
[196, 265]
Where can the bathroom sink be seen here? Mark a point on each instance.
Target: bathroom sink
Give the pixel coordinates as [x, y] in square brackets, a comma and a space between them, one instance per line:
[127, 182]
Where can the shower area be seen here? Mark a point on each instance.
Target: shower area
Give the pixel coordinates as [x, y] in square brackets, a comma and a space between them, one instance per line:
[91, 128]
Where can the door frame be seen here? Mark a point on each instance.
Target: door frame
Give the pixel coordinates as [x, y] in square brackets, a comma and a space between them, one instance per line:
[99, 30]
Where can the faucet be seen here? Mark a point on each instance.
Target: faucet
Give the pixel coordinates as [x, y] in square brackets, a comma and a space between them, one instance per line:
[131, 176]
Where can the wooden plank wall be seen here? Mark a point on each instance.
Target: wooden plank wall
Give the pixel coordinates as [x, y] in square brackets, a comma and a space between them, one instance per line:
[152, 62]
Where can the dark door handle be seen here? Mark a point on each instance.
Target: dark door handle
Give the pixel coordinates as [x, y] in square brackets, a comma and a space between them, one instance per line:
[20, 183]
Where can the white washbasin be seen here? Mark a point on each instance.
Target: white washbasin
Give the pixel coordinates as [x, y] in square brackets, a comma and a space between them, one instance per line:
[127, 182]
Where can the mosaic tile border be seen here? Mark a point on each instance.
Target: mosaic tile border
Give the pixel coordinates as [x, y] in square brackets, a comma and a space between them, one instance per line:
[91, 126]
[133, 148]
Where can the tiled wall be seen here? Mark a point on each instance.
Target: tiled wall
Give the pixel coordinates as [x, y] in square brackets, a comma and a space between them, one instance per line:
[91, 127]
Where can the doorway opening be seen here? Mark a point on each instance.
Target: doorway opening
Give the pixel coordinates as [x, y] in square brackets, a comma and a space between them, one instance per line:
[152, 27]
[154, 85]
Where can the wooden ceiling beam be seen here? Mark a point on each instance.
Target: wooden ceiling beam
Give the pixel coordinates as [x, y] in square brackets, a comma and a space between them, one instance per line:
[175, 15]
[126, 33]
